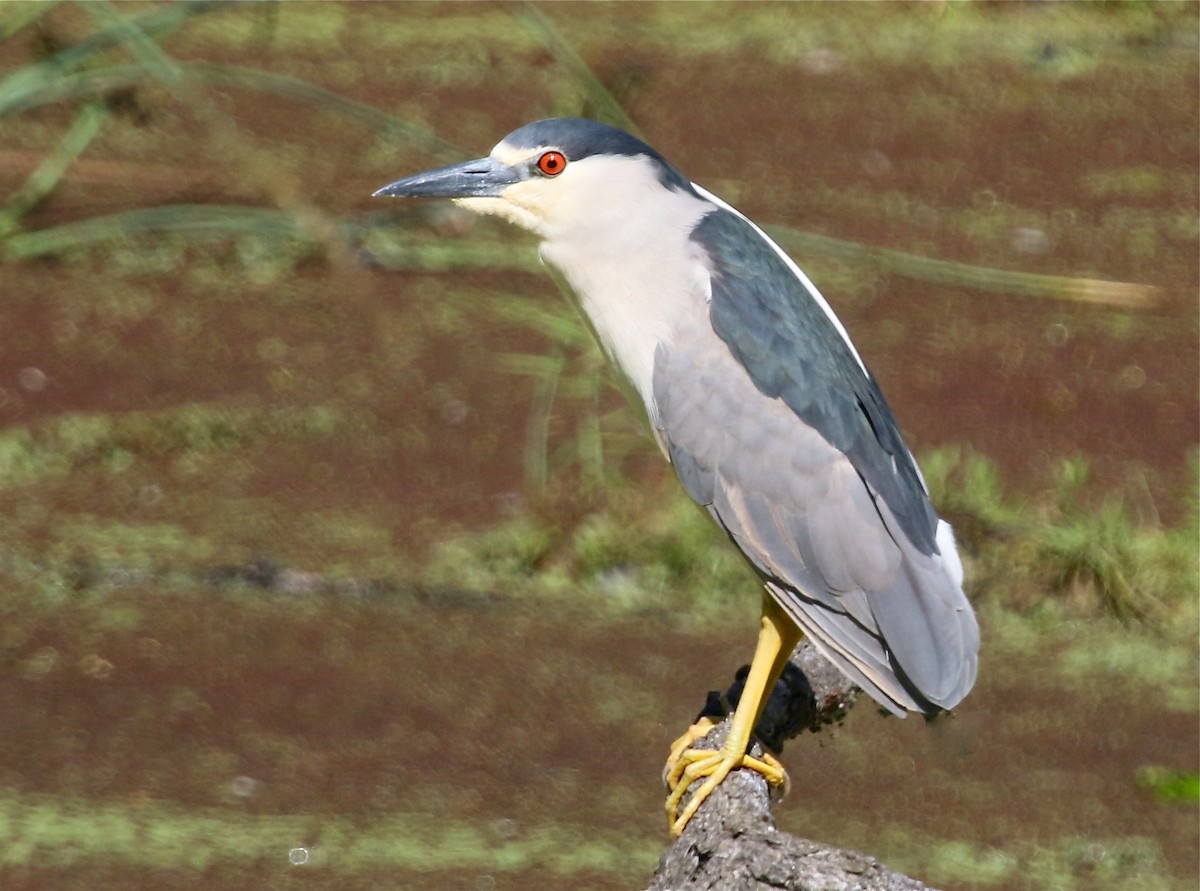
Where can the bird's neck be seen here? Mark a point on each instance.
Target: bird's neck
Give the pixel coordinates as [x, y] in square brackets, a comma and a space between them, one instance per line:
[635, 276]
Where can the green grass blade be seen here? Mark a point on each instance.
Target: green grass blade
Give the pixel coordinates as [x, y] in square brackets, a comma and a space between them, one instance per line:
[963, 275]
[140, 45]
[443, 255]
[15, 17]
[589, 438]
[601, 103]
[41, 182]
[537, 430]
[564, 327]
[20, 93]
[420, 137]
[206, 221]
[202, 220]
[535, 365]
[39, 83]
[158, 22]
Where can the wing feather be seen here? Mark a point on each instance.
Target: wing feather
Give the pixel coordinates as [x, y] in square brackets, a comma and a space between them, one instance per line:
[798, 459]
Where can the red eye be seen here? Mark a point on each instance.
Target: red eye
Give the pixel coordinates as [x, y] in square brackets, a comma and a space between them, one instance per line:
[552, 163]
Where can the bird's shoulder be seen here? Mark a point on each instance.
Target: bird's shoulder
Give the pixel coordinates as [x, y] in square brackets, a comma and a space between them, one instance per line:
[790, 343]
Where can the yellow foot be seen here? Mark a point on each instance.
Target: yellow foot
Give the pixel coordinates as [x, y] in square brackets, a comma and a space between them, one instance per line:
[699, 730]
[776, 637]
[686, 766]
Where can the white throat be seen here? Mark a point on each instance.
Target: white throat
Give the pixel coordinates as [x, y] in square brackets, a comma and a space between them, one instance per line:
[628, 257]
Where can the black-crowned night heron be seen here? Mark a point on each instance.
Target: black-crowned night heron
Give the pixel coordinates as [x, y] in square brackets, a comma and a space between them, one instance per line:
[756, 395]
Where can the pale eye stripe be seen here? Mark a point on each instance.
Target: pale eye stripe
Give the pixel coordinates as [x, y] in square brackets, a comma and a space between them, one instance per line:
[804, 279]
[514, 157]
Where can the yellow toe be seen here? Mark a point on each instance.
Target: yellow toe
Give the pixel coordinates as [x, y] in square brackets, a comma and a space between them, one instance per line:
[697, 731]
[712, 766]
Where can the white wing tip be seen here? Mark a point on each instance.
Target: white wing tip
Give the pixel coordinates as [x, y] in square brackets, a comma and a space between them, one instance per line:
[950, 559]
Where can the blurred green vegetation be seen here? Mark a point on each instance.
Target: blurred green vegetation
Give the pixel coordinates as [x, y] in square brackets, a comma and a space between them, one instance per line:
[1056, 555]
[252, 601]
[164, 838]
[85, 73]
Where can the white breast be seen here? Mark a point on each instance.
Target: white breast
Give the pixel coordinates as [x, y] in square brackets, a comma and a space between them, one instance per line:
[630, 262]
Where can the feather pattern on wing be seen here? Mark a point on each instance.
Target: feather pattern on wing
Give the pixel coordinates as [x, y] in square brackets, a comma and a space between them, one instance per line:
[774, 426]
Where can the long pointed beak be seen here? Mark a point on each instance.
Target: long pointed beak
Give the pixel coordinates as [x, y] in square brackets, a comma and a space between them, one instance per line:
[481, 178]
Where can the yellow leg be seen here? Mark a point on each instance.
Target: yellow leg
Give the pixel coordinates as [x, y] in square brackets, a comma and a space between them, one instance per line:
[777, 637]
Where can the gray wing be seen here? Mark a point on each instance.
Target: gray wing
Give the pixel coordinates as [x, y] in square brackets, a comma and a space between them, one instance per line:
[774, 427]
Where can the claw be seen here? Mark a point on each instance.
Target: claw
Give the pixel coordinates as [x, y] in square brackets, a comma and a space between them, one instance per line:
[686, 765]
[699, 730]
[694, 764]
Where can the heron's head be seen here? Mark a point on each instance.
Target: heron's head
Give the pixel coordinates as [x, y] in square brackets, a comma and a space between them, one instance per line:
[552, 176]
